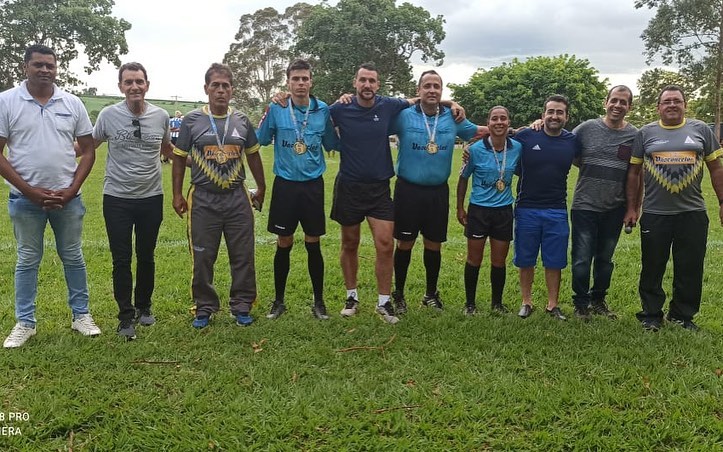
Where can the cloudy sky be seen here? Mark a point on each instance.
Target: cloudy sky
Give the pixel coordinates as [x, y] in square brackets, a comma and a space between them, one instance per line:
[177, 40]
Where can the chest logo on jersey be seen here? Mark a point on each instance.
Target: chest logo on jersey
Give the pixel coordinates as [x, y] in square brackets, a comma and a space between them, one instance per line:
[674, 158]
[375, 118]
[221, 156]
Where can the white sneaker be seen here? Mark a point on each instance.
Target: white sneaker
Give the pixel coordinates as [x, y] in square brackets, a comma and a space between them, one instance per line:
[85, 325]
[350, 307]
[19, 335]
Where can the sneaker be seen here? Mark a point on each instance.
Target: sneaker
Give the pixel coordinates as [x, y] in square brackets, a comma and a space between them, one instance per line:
[126, 330]
[582, 313]
[277, 309]
[555, 313]
[244, 319]
[400, 304]
[433, 301]
[318, 310]
[525, 311]
[201, 321]
[144, 317]
[499, 308]
[470, 309]
[651, 325]
[386, 311]
[85, 325]
[19, 335]
[350, 307]
[687, 324]
[600, 307]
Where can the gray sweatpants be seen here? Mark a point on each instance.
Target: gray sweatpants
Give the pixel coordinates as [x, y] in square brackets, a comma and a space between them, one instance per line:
[210, 215]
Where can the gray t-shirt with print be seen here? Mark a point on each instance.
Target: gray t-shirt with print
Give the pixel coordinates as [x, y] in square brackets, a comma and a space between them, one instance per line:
[133, 166]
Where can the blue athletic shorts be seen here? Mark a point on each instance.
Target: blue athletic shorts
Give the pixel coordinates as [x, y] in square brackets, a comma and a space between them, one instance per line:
[545, 229]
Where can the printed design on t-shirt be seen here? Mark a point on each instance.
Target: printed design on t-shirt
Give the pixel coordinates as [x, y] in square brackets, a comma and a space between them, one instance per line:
[223, 166]
[674, 170]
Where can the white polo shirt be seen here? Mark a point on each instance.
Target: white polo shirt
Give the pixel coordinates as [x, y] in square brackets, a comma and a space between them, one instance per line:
[40, 137]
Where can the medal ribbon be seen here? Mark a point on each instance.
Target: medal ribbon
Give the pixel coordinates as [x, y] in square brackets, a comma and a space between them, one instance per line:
[299, 133]
[220, 141]
[501, 168]
[430, 133]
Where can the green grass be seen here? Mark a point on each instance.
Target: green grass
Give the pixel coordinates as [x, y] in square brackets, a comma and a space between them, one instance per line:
[435, 382]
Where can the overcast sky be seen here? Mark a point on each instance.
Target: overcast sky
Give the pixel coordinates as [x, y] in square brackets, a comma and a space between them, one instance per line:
[177, 40]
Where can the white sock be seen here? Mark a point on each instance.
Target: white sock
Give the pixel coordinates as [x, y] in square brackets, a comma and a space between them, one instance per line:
[352, 293]
[383, 299]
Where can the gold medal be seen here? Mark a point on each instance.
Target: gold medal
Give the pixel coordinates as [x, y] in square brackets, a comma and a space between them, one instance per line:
[299, 147]
[500, 185]
[221, 156]
[432, 147]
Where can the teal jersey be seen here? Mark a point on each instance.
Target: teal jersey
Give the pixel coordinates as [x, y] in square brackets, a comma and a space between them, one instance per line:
[298, 162]
[484, 166]
[415, 163]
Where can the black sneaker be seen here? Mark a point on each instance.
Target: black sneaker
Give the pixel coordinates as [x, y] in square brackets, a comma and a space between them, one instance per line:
[525, 310]
[277, 309]
[318, 310]
[350, 307]
[127, 331]
[145, 317]
[555, 313]
[499, 308]
[651, 324]
[600, 307]
[400, 304]
[386, 311]
[582, 313]
[687, 324]
[433, 301]
[470, 309]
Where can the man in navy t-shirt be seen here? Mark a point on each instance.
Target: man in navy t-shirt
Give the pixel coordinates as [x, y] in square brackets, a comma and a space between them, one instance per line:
[541, 209]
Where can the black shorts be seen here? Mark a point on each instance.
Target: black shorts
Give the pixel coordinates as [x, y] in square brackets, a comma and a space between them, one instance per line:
[353, 201]
[420, 208]
[297, 202]
[492, 222]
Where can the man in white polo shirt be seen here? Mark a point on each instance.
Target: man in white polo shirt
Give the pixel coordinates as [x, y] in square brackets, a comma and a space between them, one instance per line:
[39, 122]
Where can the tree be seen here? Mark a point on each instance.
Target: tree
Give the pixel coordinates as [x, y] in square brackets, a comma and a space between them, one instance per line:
[340, 38]
[63, 25]
[689, 33]
[523, 86]
[650, 83]
[261, 52]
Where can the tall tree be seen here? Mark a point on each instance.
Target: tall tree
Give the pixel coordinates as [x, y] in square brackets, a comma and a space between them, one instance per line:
[261, 52]
[690, 34]
[339, 38]
[522, 87]
[63, 25]
[649, 85]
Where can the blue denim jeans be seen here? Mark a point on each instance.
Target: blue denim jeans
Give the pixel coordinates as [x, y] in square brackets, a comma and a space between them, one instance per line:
[594, 238]
[29, 222]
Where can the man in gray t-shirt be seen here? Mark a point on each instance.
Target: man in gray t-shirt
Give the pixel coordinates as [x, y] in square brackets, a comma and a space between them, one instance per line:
[136, 132]
[598, 203]
[673, 151]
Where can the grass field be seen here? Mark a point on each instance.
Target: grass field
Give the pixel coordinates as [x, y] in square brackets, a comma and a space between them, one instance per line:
[94, 104]
[435, 381]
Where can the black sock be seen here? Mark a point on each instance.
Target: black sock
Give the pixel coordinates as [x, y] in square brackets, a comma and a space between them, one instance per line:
[497, 281]
[401, 265]
[432, 263]
[281, 271]
[315, 264]
[471, 276]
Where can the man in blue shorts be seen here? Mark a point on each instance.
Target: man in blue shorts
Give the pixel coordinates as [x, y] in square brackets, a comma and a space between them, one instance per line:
[673, 151]
[541, 208]
[427, 133]
[298, 132]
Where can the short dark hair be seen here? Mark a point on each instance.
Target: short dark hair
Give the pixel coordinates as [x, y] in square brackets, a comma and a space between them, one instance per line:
[497, 107]
[369, 66]
[429, 72]
[672, 88]
[298, 65]
[133, 66]
[218, 68]
[38, 48]
[621, 88]
[558, 98]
